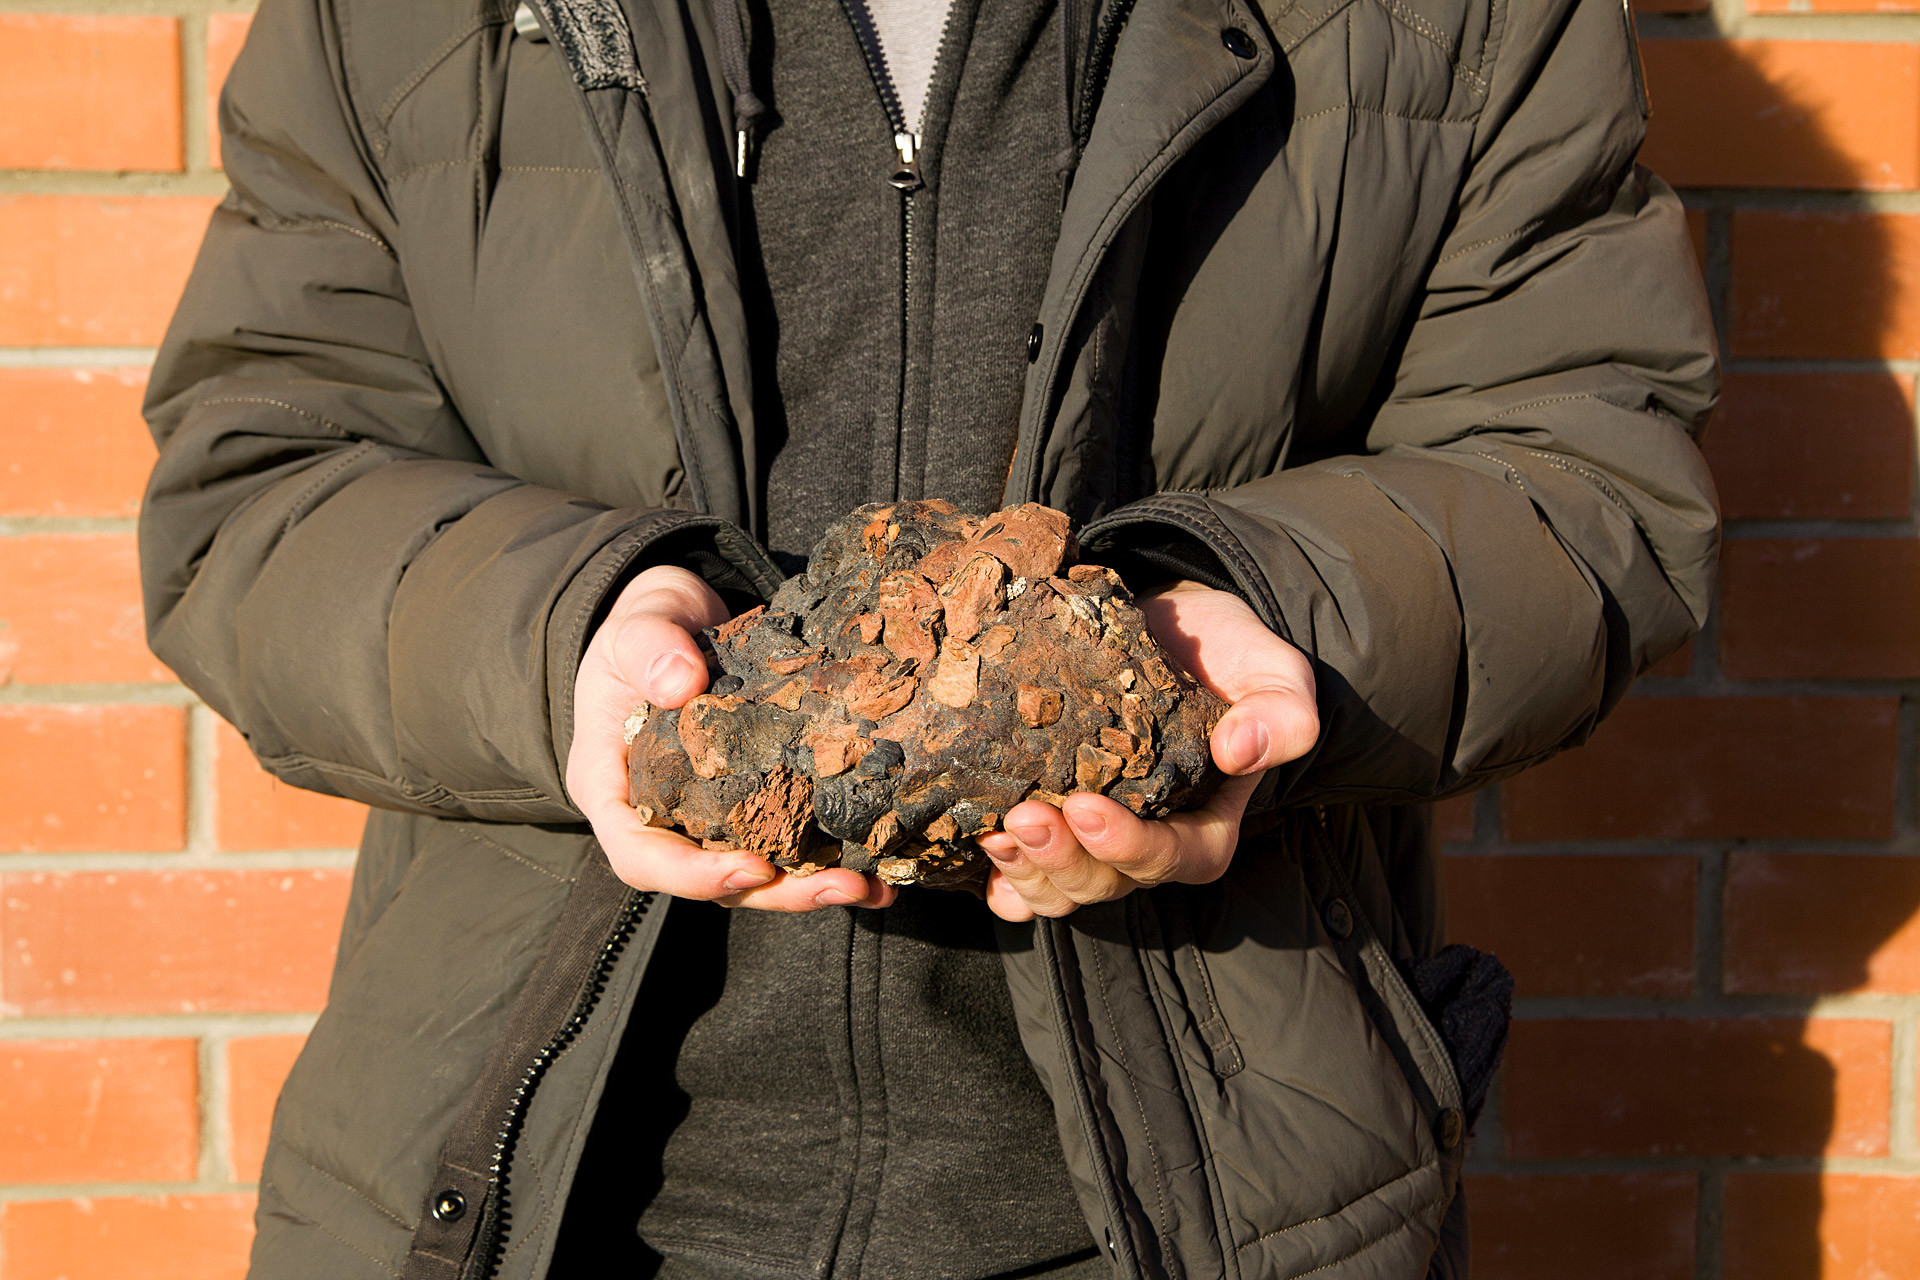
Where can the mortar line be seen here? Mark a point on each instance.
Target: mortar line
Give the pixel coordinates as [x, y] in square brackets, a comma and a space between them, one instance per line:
[201, 836]
[1709, 1222]
[1903, 1142]
[76, 357]
[211, 1161]
[155, 1026]
[264, 860]
[193, 88]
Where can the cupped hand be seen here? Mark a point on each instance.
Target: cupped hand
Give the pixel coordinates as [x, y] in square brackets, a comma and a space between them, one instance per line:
[645, 652]
[1048, 861]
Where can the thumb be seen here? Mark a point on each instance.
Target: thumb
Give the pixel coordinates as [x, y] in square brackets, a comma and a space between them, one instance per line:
[1267, 727]
[658, 657]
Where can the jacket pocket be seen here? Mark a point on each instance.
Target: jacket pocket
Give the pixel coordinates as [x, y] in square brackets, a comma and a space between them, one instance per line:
[1187, 963]
[1383, 989]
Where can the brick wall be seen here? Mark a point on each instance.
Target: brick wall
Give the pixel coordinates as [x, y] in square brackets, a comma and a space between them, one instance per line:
[1714, 909]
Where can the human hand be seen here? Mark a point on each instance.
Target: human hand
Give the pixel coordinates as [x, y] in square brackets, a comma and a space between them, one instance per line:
[645, 652]
[1048, 861]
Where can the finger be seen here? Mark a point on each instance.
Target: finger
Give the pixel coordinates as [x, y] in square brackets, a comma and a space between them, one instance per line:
[1143, 852]
[1050, 844]
[835, 887]
[1012, 859]
[666, 862]
[656, 656]
[1220, 639]
[679, 595]
[1004, 900]
[1266, 728]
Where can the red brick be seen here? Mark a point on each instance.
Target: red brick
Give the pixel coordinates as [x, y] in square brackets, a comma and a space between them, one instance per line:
[94, 270]
[1825, 285]
[89, 92]
[1808, 1226]
[169, 941]
[72, 443]
[1814, 446]
[98, 1111]
[113, 1237]
[226, 33]
[1582, 1226]
[1609, 925]
[83, 778]
[1821, 923]
[1611, 1087]
[1718, 768]
[258, 811]
[1453, 819]
[1845, 608]
[70, 611]
[1784, 113]
[1677, 663]
[256, 1068]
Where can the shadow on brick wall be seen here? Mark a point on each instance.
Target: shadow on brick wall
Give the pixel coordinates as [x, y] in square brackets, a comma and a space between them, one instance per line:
[1669, 1095]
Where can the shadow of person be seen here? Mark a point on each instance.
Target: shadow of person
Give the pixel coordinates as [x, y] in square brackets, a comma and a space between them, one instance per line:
[1733, 1084]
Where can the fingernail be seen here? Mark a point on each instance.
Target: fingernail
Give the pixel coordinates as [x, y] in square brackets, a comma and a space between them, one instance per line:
[669, 674]
[1036, 836]
[1091, 823]
[1000, 855]
[835, 898]
[1250, 742]
[743, 879]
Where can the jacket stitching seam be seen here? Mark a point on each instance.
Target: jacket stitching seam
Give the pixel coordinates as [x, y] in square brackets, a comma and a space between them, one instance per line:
[275, 222]
[1365, 1195]
[1374, 1243]
[1598, 481]
[427, 795]
[503, 850]
[491, 15]
[336, 1179]
[331, 1234]
[1525, 228]
[298, 508]
[1133, 1087]
[1434, 36]
[334, 427]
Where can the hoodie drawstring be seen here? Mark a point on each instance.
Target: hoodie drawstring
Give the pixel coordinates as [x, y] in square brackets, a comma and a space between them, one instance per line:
[748, 109]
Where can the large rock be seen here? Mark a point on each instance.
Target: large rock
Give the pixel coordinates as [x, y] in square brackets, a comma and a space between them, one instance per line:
[928, 672]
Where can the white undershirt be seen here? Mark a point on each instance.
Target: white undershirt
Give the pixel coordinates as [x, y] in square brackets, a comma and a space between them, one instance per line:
[909, 32]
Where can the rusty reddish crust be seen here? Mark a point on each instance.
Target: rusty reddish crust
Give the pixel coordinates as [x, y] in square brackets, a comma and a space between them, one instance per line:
[930, 671]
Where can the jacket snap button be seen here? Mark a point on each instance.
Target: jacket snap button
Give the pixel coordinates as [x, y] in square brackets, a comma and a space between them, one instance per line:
[1035, 336]
[1449, 1128]
[1239, 43]
[448, 1206]
[1339, 919]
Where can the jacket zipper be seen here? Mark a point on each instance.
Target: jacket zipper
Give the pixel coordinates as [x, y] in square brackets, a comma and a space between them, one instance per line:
[492, 1235]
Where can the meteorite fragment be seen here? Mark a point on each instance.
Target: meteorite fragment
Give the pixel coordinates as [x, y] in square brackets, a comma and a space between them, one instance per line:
[928, 672]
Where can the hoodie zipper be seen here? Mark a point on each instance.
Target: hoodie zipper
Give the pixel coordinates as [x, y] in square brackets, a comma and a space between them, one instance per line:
[906, 176]
[487, 1248]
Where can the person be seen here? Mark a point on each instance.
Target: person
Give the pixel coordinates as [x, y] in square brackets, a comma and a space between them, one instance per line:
[532, 339]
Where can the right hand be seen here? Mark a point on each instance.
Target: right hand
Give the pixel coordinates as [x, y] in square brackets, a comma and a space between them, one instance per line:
[645, 652]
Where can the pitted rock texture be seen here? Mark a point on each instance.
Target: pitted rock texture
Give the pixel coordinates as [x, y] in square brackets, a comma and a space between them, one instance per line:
[928, 672]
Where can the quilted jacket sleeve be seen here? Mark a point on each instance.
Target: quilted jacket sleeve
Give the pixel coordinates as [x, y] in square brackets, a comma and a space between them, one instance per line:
[327, 558]
[1530, 523]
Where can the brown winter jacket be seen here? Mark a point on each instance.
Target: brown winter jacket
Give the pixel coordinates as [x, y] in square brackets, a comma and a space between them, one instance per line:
[1362, 301]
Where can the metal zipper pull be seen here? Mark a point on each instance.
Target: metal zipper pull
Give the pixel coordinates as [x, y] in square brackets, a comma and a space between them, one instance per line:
[907, 175]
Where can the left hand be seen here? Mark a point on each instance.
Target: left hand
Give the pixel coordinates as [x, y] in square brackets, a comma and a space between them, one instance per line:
[1048, 861]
